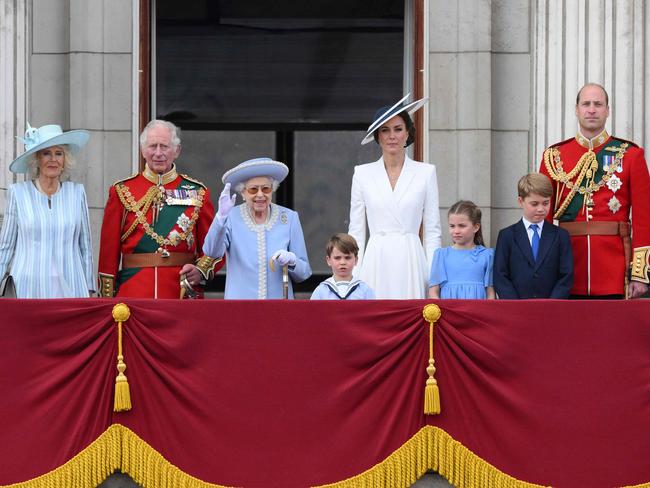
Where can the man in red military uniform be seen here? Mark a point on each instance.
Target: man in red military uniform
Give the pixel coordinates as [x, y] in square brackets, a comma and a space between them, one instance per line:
[154, 224]
[601, 187]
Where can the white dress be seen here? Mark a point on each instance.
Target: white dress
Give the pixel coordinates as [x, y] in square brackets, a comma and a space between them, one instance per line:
[394, 262]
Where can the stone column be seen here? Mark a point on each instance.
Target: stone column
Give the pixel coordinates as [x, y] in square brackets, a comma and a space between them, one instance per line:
[580, 41]
[81, 78]
[512, 155]
[13, 86]
[479, 85]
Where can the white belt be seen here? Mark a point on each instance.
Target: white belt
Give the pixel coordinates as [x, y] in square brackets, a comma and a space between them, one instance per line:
[393, 232]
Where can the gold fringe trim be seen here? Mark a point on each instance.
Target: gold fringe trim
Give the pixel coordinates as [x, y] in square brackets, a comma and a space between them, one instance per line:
[149, 468]
[118, 448]
[87, 469]
[431, 448]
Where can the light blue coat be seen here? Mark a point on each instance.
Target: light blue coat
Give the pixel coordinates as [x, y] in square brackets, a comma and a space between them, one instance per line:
[249, 246]
[51, 247]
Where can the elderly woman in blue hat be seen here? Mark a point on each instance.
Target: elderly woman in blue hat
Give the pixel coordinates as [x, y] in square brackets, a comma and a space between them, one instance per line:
[45, 235]
[264, 241]
[393, 197]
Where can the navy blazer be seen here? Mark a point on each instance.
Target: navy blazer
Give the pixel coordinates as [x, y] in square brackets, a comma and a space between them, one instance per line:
[517, 275]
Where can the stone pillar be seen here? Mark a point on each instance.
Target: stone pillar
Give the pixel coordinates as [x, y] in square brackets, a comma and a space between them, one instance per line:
[13, 86]
[81, 78]
[601, 41]
[512, 155]
[460, 101]
[479, 85]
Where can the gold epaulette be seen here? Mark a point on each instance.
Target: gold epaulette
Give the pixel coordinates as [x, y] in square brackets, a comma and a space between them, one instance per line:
[193, 180]
[640, 264]
[126, 179]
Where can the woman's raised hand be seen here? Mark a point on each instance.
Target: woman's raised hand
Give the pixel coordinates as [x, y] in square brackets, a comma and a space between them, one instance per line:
[226, 202]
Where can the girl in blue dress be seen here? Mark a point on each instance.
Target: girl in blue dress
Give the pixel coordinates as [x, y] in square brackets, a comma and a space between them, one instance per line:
[464, 269]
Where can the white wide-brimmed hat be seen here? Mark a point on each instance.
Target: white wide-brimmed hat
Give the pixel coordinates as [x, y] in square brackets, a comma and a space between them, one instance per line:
[254, 168]
[387, 113]
[47, 136]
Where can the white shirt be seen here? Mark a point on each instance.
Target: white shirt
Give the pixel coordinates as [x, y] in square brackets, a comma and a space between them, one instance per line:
[529, 231]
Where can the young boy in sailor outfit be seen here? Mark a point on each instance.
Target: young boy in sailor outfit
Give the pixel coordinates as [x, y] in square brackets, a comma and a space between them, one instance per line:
[342, 255]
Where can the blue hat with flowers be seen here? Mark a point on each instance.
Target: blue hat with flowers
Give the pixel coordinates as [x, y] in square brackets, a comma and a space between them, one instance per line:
[254, 168]
[47, 136]
[386, 113]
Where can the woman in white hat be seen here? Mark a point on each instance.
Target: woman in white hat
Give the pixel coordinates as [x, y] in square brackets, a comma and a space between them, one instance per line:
[45, 235]
[394, 196]
[262, 239]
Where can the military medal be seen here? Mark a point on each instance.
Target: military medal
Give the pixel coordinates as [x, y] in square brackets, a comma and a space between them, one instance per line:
[607, 161]
[614, 183]
[614, 205]
[182, 196]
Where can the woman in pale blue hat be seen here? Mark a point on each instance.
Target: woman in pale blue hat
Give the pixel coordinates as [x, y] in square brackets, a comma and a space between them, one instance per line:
[393, 197]
[45, 242]
[263, 241]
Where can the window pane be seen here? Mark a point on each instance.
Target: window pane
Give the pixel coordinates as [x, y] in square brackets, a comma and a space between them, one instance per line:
[277, 62]
[323, 167]
[207, 155]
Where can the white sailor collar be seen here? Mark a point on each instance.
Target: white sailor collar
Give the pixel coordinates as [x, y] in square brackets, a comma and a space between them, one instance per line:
[331, 284]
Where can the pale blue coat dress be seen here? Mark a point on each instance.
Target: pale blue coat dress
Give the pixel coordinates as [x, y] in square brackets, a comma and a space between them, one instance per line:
[51, 247]
[249, 246]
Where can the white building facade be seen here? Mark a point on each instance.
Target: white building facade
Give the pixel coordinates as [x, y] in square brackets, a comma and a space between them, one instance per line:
[501, 77]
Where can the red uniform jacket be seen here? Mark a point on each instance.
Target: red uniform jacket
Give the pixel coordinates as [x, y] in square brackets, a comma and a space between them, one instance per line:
[150, 217]
[608, 183]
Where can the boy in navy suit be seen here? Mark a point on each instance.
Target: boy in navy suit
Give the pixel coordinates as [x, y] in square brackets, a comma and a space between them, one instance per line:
[533, 258]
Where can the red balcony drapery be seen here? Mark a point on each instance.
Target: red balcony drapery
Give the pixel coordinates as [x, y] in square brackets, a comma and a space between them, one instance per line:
[293, 394]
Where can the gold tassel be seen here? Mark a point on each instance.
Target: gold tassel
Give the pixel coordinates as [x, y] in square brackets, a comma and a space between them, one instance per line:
[121, 313]
[431, 314]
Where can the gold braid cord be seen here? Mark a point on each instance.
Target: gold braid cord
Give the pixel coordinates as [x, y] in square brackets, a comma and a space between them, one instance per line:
[141, 207]
[641, 264]
[554, 167]
[587, 166]
[122, 402]
[431, 314]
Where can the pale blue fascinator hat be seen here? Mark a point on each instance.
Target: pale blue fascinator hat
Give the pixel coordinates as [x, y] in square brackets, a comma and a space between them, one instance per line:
[47, 136]
[386, 113]
[254, 168]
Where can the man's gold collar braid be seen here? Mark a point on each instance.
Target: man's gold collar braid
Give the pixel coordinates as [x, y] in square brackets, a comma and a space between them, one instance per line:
[594, 141]
[154, 177]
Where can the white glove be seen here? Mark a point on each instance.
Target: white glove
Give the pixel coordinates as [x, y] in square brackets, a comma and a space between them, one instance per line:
[283, 258]
[226, 203]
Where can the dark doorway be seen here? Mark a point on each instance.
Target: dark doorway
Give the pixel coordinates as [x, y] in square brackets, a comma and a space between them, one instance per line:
[296, 81]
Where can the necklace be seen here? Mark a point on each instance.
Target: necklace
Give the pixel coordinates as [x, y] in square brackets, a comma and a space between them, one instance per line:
[39, 187]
